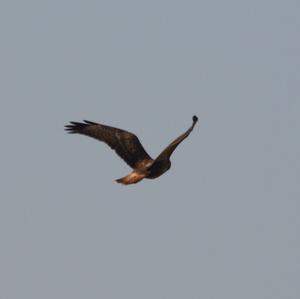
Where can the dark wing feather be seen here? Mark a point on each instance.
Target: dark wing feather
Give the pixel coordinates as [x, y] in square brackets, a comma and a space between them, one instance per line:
[167, 152]
[126, 144]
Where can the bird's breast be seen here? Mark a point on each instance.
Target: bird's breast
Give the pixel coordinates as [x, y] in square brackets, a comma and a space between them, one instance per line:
[158, 168]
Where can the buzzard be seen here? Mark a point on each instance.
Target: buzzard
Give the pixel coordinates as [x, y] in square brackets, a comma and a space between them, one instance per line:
[129, 148]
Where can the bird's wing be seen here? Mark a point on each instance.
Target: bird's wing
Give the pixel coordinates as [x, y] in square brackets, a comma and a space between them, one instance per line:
[167, 152]
[126, 144]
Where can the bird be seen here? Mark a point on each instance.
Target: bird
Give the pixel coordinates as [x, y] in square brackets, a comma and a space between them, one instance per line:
[130, 149]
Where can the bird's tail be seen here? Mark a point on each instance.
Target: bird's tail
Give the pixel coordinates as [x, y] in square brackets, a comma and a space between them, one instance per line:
[132, 178]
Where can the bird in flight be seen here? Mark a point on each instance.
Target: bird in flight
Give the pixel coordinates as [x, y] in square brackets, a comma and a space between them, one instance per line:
[129, 148]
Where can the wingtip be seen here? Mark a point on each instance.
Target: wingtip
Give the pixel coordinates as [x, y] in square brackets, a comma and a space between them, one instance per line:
[72, 127]
[76, 127]
[68, 128]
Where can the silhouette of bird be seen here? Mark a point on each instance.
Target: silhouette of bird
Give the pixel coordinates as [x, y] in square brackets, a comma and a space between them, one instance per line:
[129, 148]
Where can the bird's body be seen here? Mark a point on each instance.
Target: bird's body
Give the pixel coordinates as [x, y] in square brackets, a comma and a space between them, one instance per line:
[129, 148]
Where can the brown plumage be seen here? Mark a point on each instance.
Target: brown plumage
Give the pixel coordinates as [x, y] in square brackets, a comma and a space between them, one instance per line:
[129, 148]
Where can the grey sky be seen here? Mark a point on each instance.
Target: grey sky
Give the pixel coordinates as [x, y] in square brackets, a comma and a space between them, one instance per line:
[223, 222]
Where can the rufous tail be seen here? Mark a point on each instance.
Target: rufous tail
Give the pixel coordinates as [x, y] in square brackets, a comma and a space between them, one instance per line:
[132, 178]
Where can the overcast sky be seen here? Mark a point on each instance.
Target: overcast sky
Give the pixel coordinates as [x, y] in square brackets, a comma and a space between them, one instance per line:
[223, 222]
